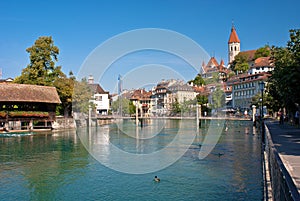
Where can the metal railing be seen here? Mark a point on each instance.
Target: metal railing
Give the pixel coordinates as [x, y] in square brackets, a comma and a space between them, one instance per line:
[283, 187]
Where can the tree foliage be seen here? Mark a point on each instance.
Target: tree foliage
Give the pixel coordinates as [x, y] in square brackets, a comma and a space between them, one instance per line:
[65, 88]
[199, 81]
[240, 64]
[262, 52]
[128, 108]
[202, 99]
[212, 80]
[41, 70]
[82, 94]
[218, 98]
[284, 84]
[269, 102]
[175, 108]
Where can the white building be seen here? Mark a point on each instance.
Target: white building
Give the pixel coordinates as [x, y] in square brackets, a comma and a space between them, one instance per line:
[100, 97]
[260, 65]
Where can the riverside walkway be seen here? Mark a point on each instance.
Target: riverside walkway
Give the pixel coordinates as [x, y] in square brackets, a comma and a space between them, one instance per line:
[286, 141]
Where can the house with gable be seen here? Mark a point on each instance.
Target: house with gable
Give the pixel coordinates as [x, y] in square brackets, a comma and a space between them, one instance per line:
[100, 97]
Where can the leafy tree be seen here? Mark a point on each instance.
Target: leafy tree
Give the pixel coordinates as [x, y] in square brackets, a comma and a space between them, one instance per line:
[269, 102]
[175, 107]
[199, 81]
[188, 107]
[240, 64]
[65, 88]
[262, 52]
[230, 74]
[82, 94]
[213, 80]
[127, 106]
[41, 70]
[202, 99]
[284, 82]
[218, 98]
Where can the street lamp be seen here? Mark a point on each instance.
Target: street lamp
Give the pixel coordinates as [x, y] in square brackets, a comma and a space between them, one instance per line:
[262, 87]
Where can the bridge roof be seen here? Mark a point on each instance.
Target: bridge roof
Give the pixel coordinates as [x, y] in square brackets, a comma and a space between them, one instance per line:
[10, 92]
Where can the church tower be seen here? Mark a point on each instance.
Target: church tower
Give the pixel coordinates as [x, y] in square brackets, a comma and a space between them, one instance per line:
[233, 45]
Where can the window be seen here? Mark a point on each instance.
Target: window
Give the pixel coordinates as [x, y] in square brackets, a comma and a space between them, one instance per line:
[99, 98]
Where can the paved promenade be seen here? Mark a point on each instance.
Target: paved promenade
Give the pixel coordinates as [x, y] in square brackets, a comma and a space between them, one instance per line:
[286, 139]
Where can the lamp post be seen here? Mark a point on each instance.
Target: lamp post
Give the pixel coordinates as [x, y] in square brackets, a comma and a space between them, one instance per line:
[262, 87]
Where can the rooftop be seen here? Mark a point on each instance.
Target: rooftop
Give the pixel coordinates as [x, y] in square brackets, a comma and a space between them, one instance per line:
[11, 92]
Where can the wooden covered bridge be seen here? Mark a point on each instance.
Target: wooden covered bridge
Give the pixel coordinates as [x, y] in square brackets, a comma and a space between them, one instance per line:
[27, 107]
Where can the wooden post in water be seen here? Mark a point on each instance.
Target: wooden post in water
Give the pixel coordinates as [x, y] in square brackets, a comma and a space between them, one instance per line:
[197, 117]
[90, 116]
[136, 114]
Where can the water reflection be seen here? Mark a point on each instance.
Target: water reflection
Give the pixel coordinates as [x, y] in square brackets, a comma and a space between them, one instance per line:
[58, 167]
[115, 148]
[41, 164]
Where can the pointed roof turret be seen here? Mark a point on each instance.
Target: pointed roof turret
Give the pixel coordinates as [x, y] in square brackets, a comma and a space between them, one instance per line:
[222, 63]
[233, 38]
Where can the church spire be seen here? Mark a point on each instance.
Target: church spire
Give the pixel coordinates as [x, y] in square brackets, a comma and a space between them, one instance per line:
[233, 45]
[233, 38]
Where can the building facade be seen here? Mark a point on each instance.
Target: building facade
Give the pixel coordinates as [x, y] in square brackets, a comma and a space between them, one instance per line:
[245, 88]
[100, 97]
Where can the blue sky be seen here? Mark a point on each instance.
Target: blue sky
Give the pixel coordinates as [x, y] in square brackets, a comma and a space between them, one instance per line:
[78, 27]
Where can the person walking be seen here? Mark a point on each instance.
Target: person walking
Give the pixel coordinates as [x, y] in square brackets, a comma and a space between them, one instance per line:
[297, 118]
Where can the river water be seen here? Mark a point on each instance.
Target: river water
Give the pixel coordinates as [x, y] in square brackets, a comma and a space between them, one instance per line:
[63, 165]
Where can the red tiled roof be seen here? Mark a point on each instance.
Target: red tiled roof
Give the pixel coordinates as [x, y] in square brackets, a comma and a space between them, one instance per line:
[222, 63]
[233, 38]
[262, 61]
[141, 94]
[212, 62]
[253, 77]
[249, 54]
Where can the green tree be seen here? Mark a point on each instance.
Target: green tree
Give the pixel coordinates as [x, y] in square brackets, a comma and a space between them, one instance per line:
[240, 64]
[65, 88]
[271, 104]
[218, 98]
[214, 79]
[187, 107]
[82, 94]
[41, 70]
[199, 81]
[284, 82]
[262, 52]
[127, 106]
[202, 99]
[175, 107]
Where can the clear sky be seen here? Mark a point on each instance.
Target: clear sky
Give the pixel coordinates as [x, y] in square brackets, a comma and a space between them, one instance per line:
[78, 27]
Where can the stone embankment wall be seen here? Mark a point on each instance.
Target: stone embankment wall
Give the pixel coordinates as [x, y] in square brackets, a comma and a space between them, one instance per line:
[72, 123]
[63, 123]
